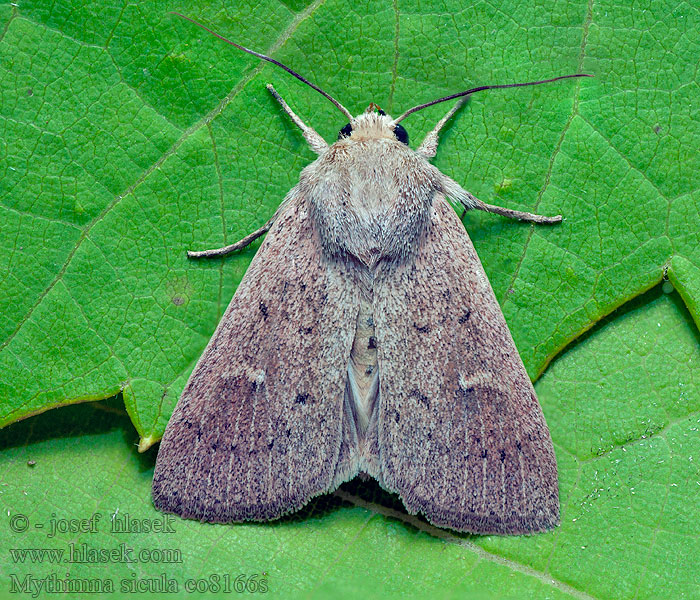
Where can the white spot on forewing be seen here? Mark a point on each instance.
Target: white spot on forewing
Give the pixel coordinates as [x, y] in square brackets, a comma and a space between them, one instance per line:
[256, 376]
[481, 379]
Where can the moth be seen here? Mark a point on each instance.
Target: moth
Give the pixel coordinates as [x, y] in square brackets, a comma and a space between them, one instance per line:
[364, 338]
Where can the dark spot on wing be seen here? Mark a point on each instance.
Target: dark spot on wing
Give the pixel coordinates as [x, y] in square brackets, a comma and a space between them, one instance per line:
[464, 318]
[283, 293]
[422, 328]
[263, 310]
[421, 398]
[371, 343]
[465, 397]
[301, 398]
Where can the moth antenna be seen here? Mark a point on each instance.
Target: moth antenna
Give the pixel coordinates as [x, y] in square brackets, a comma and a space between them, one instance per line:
[337, 104]
[479, 89]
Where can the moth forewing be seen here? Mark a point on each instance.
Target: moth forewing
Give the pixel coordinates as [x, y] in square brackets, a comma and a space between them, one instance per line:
[257, 430]
[364, 337]
[462, 438]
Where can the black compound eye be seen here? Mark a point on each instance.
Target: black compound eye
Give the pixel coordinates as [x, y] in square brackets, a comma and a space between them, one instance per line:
[345, 131]
[401, 134]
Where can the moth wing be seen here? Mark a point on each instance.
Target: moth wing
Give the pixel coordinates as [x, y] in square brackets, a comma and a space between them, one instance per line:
[258, 429]
[461, 435]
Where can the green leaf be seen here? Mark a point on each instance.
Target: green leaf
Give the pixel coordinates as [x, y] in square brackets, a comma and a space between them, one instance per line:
[623, 406]
[130, 136]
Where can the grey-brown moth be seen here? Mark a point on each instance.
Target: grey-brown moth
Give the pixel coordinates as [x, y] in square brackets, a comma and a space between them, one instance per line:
[364, 338]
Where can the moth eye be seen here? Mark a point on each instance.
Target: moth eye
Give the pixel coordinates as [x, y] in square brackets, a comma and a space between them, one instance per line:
[401, 134]
[345, 131]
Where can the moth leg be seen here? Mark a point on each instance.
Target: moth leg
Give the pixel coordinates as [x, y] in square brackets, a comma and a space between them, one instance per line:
[429, 145]
[251, 237]
[455, 191]
[315, 141]
[518, 214]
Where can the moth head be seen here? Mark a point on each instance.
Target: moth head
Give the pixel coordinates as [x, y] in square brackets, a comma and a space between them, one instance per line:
[373, 124]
